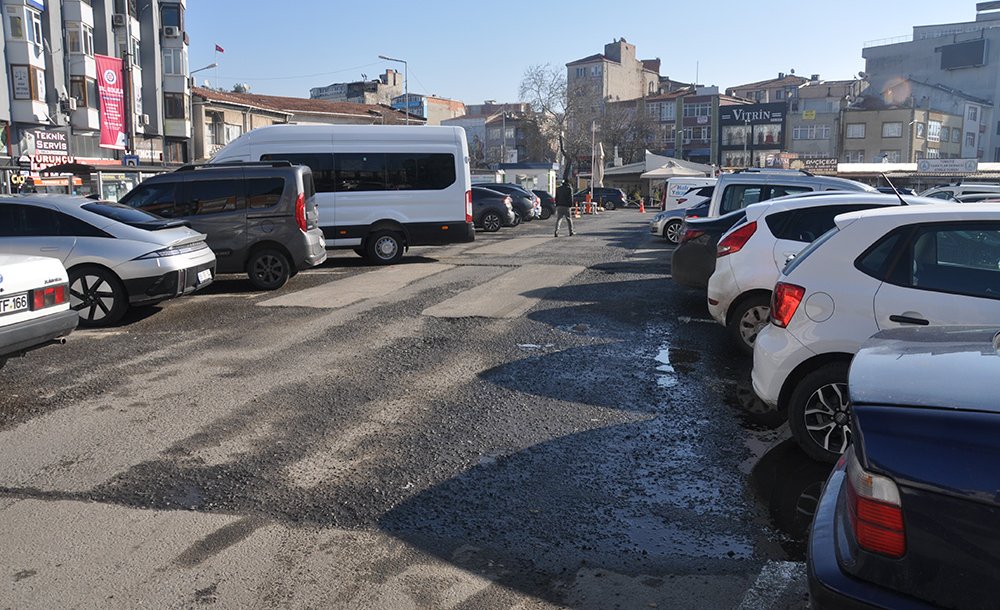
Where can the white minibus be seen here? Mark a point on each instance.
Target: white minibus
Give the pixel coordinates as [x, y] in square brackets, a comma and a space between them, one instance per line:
[380, 188]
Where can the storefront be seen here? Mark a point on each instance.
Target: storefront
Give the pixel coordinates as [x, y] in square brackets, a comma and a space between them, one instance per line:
[752, 135]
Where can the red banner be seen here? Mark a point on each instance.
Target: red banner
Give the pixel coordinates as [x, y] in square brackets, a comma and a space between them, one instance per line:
[112, 94]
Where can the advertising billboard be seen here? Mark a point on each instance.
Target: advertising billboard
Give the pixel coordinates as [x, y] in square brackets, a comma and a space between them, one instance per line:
[751, 134]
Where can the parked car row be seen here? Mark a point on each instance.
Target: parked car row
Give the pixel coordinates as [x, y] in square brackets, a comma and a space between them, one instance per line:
[873, 319]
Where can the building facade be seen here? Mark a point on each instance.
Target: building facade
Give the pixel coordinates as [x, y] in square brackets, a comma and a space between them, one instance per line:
[952, 57]
[613, 76]
[781, 89]
[685, 122]
[50, 106]
[814, 117]
[901, 135]
[378, 91]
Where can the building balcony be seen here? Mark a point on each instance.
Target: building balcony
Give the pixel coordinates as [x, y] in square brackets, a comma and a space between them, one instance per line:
[86, 119]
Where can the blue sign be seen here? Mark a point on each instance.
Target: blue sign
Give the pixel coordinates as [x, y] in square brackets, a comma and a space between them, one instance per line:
[39, 4]
[130, 160]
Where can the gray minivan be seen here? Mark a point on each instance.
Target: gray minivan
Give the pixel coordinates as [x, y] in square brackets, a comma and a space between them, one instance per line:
[260, 218]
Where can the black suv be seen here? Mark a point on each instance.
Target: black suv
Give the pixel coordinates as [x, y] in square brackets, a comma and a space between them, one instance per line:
[606, 197]
[260, 218]
[491, 209]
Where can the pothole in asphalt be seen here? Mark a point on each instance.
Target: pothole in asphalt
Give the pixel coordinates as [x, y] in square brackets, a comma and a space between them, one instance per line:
[673, 361]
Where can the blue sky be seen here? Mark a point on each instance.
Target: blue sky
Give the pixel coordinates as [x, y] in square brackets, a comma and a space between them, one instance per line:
[473, 50]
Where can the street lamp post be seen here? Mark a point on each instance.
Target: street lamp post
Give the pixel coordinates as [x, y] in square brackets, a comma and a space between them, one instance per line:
[191, 104]
[406, 83]
[746, 137]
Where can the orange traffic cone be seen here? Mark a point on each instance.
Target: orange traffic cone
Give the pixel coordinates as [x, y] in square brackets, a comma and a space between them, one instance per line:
[576, 209]
[642, 206]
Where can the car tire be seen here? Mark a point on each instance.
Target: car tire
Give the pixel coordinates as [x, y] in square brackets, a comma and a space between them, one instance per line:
[546, 213]
[97, 295]
[672, 231]
[384, 247]
[609, 205]
[747, 319]
[819, 412]
[491, 222]
[268, 269]
[360, 252]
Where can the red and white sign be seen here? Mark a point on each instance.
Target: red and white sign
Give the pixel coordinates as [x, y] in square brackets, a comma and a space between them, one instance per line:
[112, 94]
[50, 148]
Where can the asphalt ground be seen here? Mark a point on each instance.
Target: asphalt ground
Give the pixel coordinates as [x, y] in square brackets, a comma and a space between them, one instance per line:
[520, 422]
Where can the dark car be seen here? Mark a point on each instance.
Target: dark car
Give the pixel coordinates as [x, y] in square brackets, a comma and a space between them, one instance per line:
[522, 200]
[606, 197]
[893, 191]
[491, 209]
[548, 204]
[694, 259]
[910, 516]
[260, 218]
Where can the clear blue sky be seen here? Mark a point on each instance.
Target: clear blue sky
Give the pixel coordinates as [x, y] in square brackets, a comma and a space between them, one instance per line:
[471, 51]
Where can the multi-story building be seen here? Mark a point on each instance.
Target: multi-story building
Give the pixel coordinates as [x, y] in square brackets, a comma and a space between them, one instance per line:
[433, 109]
[685, 122]
[613, 76]
[499, 133]
[951, 57]
[814, 117]
[901, 135]
[378, 91]
[51, 108]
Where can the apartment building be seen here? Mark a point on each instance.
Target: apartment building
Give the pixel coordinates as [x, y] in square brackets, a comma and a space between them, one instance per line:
[498, 133]
[376, 91]
[685, 122]
[613, 76]
[50, 109]
[432, 108]
[769, 91]
[814, 114]
[941, 58]
[901, 135]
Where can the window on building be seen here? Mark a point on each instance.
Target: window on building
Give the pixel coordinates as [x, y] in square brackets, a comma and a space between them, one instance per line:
[27, 83]
[973, 113]
[822, 132]
[93, 101]
[921, 130]
[36, 27]
[890, 156]
[704, 134]
[970, 138]
[855, 130]
[171, 16]
[15, 31]
[854, 156]
[581, 72]
[670, 112]
[508, 133]
[780, 94]
[173, 62]
[494, 133]
[804, 132]
[688, 134]
[78, 90]
[933, 153]
[945, 134]
[698, 109]
[892, 130]
[933, 131]
[956, 135]
[74, 44]
[595, 71]
[174, 106]
[231, 132]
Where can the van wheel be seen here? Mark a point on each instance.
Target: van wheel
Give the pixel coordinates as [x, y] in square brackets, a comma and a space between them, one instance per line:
[819, 414]
[384, 248]
[268, 269]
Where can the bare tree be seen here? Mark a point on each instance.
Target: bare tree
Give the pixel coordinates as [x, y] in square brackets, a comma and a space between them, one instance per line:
[559, 112]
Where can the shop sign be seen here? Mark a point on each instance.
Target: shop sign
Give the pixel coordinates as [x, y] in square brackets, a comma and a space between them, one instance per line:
[50, 148]
[753, 114]
[948, 166]
[808, 115]
[112, 96]
[20, 79]
[816, 166]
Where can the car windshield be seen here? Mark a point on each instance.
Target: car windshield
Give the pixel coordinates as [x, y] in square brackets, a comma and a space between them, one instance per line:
[130, 216]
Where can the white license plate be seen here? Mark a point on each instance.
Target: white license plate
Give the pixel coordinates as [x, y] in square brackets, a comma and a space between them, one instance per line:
[14, 304]
[204, 276]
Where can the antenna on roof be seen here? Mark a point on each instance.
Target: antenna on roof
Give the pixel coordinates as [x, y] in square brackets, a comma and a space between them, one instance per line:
[894, 190]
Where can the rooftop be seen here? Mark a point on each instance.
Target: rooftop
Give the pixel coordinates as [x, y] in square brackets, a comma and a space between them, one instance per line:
[292, 105]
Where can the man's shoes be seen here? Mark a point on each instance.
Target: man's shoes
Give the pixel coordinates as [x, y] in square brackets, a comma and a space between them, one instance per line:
[555, 234]
[572, 234]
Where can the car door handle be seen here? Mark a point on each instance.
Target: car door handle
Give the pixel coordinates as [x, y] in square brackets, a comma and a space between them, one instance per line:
[49, 249]
[909, 320]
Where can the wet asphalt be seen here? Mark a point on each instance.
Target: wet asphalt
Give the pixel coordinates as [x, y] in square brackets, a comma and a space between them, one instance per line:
[603, 450]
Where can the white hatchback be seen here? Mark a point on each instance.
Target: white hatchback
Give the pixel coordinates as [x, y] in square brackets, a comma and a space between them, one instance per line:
[752, 254]
[876, 270]
[34, 304]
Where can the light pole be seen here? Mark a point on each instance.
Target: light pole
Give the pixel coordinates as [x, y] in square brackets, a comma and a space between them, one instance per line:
[406, 84]
[191, 103]
[746, 137]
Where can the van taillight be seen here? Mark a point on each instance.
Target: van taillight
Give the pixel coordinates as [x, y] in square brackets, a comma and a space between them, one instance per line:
[48, 297]
[735, 241]
[874, 511]
[468, 206]
[784, 302]
[300, 211]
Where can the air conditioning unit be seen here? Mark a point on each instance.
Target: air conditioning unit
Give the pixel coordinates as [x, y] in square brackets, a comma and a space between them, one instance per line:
[118, 20]
[171, 31]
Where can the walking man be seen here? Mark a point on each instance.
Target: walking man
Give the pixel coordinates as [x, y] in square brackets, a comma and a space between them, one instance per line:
[564, 201]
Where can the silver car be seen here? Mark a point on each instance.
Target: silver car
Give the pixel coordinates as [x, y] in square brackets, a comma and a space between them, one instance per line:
[116, 256]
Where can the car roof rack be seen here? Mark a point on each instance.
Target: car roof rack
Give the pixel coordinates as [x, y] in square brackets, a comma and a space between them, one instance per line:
[193, 166]
[776, 170]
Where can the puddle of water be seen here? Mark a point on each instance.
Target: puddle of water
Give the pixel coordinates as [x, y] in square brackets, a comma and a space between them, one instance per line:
[667, 377]
[657, 536]
[673, 361]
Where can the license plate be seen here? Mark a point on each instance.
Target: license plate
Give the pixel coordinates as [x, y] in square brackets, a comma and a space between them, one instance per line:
[204, 276]
[14, 304]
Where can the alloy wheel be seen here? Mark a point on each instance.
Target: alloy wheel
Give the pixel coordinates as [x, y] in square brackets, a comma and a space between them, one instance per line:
[673, 232]
[268, 269]
[753, 321]
[828, 417]
[93, 296]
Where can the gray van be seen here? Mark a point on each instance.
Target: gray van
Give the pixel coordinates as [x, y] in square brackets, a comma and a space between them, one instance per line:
[260, 218]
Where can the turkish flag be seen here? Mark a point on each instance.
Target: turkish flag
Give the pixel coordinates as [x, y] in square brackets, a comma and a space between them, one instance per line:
[219, 49]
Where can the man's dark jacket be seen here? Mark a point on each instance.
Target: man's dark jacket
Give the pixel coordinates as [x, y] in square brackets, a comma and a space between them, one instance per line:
[564, 196]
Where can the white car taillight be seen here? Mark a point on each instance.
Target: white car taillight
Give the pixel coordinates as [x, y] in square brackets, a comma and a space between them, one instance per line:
[874, 511]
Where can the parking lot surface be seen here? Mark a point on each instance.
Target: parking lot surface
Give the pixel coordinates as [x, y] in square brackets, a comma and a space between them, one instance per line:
[519, 422]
